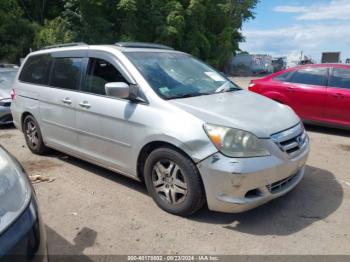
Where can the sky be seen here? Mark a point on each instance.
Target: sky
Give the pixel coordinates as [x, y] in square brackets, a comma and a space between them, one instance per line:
[287, 27]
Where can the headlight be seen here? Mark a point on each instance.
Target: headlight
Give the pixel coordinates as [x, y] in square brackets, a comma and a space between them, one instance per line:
[15, 190]
[234, 142]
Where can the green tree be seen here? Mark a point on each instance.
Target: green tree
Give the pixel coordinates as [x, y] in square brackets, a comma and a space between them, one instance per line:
[37, 11]
[16, 34]
[93, 21]
[208, 29]
[52, 32]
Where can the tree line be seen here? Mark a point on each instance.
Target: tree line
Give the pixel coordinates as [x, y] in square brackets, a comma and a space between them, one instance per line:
[208, 29]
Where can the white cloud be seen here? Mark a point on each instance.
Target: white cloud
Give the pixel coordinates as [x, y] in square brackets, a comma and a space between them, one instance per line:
[318, 28]
[313, 39]
[290, 9]
[335, 10]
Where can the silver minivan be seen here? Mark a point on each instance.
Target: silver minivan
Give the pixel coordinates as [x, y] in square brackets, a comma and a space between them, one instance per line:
[163, 117]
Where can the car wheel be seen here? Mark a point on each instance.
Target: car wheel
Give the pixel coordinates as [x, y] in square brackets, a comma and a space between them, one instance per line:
[33, 136]
[174, 182]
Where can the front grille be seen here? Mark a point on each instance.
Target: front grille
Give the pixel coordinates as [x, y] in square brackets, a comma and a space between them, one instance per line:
[291, 140]
[280, 185]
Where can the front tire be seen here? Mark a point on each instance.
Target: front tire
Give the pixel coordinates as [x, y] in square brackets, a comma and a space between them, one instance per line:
[33, 137]
[174, 182]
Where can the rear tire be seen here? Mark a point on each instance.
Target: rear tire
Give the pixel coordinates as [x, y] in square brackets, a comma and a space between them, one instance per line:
[33, 136]
[174, 182]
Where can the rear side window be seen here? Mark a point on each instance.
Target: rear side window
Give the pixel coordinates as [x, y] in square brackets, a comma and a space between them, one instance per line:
[66, 73]
[99, 73]
[284, 77]
[36, 70]
[310, 76]
[340, 78]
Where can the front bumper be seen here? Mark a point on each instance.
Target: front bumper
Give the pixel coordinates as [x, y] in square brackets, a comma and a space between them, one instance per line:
[235, 185]
[25, 239]
[5, 115]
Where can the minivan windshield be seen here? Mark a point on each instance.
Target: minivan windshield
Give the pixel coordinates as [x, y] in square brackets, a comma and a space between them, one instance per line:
[6, 79]
[178, 75]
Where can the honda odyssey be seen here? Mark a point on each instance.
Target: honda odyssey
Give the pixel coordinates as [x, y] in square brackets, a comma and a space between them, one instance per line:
[163, 117]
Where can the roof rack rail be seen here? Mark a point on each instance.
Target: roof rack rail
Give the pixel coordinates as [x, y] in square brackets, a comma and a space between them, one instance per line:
[143, 45]
[64, 45]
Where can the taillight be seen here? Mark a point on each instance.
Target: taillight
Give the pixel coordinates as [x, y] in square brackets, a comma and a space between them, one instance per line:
[251, 85]
[254, 87]
[13, 94]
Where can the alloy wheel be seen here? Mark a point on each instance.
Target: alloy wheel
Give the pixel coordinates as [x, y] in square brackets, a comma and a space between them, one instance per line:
[169, 182]
[32, 133]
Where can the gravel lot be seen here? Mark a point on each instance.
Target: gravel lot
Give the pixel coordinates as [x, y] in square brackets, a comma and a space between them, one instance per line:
[89, 210]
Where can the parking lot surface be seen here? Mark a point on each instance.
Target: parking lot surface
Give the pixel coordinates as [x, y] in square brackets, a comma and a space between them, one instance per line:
[90, 211]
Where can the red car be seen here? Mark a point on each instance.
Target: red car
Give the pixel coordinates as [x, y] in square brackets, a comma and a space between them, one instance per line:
[317, 93]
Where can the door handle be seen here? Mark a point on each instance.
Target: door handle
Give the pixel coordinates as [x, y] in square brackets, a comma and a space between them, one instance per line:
[66, 101]
[338, 95]
[290, 89]
[85, 104]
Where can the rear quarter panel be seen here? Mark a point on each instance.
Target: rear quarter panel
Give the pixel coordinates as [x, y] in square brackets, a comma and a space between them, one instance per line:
[270, 88]
[276, 96]
[27, 101]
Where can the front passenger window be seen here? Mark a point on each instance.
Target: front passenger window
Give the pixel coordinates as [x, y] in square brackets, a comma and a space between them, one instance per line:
[99, 73]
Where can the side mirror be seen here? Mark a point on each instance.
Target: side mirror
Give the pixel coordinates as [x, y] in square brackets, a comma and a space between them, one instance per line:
[117, 89]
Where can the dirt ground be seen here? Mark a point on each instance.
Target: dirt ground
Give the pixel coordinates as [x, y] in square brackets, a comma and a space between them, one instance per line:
[90, 211]
[243, 81]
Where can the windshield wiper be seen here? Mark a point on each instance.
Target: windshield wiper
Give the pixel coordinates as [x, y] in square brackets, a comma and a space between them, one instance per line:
[223, 88]
[227, 88]
[188, 95]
